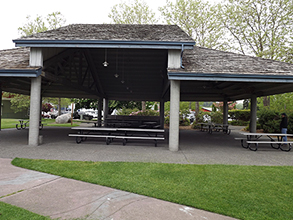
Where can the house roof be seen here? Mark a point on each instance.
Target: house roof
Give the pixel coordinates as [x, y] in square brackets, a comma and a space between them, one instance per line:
[17, 58]
[202, 62]
[137, 70]
[15, 63]
[103, 35]
[205, 60]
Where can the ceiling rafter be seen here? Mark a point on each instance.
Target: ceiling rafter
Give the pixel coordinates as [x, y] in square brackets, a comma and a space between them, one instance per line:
[94, 72]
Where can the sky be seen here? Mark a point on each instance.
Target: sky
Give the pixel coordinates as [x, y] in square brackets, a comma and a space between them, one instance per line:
[13, 14]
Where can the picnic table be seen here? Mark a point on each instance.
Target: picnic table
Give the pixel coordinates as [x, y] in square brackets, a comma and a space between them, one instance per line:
[210, 127]
[117, 133]
[23, 123]
[274, 139]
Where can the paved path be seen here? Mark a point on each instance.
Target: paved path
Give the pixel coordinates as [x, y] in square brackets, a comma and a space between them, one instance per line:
[64, 198]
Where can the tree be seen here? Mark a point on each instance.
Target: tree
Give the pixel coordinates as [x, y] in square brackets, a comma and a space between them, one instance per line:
[280, 103]
[54, 20]
[137, 12]
[18, 102]
[199, 20]
[260, 27]
[40, 24]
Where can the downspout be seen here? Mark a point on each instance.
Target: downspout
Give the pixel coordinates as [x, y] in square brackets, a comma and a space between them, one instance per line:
[182, 50]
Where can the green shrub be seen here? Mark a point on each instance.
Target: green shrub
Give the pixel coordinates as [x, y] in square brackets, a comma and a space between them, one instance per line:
[269, 120]
[239, 123]
[217, 117]
[167, 120]
[126, 111]
[242, 115]
[148, 112]
[184, 122]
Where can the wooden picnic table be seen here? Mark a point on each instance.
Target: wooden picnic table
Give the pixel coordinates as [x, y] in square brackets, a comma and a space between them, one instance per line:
[117, 133]
[274, 139]
[210, 127]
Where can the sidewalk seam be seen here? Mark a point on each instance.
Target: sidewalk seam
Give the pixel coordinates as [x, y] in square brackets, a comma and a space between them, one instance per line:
[123, 207]
[88, 215]
[22, 190]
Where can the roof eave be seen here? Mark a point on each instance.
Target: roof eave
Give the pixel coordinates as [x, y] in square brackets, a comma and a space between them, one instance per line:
[104, 44]
[32, 73]
[271, 78]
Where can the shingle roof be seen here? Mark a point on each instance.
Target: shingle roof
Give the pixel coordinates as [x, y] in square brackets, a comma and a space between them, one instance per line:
[204, 60]
[17, 58]
[117, 32]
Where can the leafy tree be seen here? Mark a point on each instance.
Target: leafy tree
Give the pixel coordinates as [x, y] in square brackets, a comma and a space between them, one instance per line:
[40, 24]
[54, 20]
[18, 102]
[199, 20]
[85, 103]
[279, 103]
[260, 27]
[137, 12]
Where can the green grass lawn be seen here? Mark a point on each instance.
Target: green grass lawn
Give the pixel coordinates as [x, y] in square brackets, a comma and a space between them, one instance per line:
[15, 213]
[11, 123]
[243, 192]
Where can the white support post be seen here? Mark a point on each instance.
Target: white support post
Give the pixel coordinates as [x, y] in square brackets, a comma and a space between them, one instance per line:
[105, 110]
[35, 103]
[174, 62]
[0, 107]
[174, 115]
[36, 60]
[253, 109]
[174, 58]
[36, 57]
[225, 112]
[162, 113]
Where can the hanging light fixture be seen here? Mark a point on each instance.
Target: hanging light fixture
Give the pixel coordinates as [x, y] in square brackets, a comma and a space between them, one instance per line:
[105, 64]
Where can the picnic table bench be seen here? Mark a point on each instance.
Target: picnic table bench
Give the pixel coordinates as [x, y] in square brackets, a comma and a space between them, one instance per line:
[275, 140]
[117, 133]
[210, 127]
[23, 123]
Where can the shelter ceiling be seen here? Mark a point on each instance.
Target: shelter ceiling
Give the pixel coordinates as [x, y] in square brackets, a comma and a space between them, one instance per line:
[131, 74]
[142, 74]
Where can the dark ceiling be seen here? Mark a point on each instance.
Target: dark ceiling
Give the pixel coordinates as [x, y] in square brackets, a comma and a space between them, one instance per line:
[131, 74]
[138, 74]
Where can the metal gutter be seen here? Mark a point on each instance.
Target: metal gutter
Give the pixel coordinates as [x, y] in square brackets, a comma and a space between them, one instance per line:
[104, 44]
[230, 77]
[20, 72]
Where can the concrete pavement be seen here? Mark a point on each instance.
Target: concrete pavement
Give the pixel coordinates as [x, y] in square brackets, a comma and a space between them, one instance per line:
[63, 198]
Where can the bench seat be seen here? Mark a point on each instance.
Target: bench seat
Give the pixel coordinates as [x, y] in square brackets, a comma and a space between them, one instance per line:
[269, 142]
[109, 138]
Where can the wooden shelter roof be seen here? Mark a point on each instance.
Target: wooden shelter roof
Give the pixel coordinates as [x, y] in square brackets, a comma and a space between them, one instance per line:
[73, 58]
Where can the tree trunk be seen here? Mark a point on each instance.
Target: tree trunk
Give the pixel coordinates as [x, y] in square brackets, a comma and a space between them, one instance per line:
[266, 101]
[196, 111]
[59, 106]
[143, 106]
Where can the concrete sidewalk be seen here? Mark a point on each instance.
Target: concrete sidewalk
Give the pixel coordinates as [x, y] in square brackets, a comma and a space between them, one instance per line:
[63, 198]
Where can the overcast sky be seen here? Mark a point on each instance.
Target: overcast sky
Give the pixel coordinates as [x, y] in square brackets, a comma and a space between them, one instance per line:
[13, 13]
